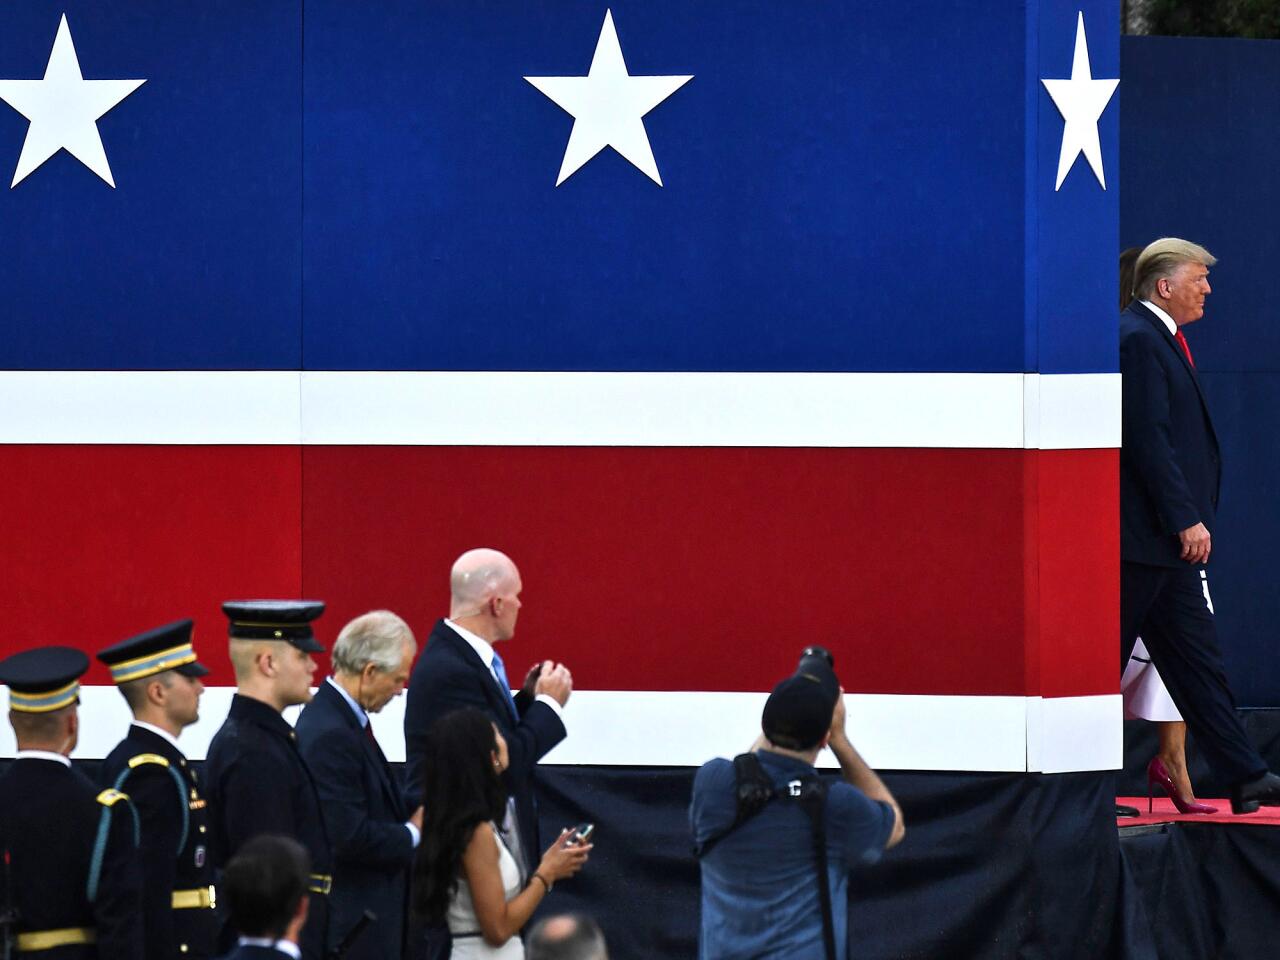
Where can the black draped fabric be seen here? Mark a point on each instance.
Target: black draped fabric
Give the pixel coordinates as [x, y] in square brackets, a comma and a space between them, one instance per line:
[1161, 873]
[994, 866]
[1209, 890]
[641, 883]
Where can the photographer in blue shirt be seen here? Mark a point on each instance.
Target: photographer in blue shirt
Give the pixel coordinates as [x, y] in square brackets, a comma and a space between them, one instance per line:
[760, 820]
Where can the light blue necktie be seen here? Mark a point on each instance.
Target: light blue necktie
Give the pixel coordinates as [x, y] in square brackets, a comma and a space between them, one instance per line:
[500, 671]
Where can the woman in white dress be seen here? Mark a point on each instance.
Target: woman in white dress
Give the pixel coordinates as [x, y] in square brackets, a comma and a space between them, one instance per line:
[1147, 698]
[464, 873]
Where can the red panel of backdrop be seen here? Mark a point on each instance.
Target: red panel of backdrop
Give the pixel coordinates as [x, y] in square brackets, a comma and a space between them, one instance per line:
[698, 569]
[667, 569]
[101, 542]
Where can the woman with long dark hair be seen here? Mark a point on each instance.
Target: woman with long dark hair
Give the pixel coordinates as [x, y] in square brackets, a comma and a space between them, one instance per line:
[464, 873]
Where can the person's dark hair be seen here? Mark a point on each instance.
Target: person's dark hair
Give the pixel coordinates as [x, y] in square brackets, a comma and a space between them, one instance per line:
[1128, 260]
[461, 790]
[569, 936]
[264, 883]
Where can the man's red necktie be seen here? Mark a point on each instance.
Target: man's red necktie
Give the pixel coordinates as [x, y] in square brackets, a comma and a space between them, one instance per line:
[1182, 342]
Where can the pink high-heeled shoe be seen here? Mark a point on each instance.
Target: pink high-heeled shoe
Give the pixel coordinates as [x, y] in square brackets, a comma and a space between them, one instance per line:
[1158, 776]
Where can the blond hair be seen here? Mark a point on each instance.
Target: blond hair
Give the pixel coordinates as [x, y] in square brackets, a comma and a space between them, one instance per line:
[1162, 258]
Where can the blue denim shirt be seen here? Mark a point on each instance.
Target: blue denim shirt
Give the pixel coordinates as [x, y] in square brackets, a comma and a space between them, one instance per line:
[759, 885]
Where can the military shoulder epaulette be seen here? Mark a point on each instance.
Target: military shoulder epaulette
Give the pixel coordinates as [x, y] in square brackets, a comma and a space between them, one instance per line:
[142, 758]
[110, 797]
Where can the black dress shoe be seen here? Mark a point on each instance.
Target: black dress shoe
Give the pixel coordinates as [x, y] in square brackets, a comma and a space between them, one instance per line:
[1123, 811]
[1247, 797]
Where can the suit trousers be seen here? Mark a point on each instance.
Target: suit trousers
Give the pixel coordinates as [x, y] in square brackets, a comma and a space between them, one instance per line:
[1170, 608]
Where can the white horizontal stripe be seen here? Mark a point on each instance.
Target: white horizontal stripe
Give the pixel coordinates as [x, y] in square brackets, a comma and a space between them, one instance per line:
[947, 410]
[654, 728]
[177, 407]
[1065, 734]
[1072, 411]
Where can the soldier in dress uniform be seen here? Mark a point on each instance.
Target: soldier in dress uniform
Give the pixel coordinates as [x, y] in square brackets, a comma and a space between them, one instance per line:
[256, 779]
[159, 676]
[68, 878]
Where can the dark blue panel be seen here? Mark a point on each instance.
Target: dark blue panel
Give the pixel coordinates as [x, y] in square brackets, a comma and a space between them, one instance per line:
[843, 189]
[194, 260]
[1246, 414]
[1200, 141]
[1072, 268]
[1201, 147]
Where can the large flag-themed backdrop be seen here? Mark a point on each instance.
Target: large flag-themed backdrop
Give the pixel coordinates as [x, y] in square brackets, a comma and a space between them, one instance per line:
[740, 326]
[818, 347]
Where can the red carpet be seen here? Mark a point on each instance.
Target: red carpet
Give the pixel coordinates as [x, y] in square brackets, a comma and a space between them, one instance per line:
[1164, 812]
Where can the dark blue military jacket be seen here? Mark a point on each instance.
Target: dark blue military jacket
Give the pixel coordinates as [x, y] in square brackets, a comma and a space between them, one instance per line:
[51, 818]
[256, 782]
[173, 848]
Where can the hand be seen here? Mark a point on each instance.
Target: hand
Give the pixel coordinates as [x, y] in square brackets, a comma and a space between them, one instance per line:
[1195, 544]
[562, 859]
[530, 685]
[416, 819]
[838, 718]
[556, 682]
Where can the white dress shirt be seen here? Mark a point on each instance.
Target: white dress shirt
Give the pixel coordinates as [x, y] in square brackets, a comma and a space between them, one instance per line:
[1168, 320]
[42, 755]
[159, 733]
[287, 947]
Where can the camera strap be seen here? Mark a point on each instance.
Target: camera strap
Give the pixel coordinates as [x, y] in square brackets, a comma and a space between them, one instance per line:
[754, 792]
[812, 795]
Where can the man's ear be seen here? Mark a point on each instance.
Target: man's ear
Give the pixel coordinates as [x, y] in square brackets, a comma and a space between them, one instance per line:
[369, 670]
[265, 662]
[156, 693]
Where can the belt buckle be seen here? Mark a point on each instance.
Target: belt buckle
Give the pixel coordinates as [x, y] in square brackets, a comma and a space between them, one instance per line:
[321, 883]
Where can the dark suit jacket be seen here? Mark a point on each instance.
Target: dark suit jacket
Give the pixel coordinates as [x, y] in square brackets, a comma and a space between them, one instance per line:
[257, 782]
[365, 810]
[49, 821]
[1170, 465]
[450, 675]
[173, 851]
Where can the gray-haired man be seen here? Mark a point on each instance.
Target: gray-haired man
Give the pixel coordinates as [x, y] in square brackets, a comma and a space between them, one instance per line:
[372, 824]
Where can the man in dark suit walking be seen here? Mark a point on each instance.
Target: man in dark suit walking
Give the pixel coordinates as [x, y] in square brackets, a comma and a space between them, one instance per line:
[159, 676]
[461, 668]
[1170, 471]
[373, 826]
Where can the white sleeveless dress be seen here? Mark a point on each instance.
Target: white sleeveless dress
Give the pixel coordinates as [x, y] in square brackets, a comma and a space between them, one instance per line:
[1145, 695]
[462, 914]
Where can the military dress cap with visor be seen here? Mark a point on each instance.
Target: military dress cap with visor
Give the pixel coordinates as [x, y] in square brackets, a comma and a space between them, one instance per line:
[287, 620]
[43, 680]
[155, 651]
